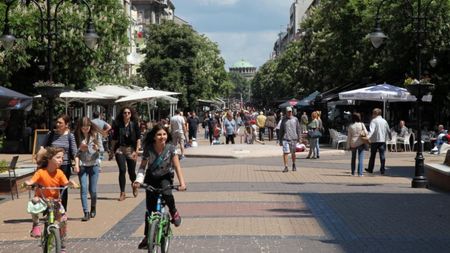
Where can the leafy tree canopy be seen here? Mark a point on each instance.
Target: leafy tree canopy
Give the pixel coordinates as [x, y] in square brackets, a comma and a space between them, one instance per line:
[179, 59]
[74, 63]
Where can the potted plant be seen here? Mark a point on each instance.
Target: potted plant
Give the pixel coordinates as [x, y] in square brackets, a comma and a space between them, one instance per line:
[49, 89]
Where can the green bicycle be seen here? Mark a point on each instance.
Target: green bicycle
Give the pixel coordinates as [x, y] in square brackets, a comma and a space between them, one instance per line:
[159, 233]
[51, 237]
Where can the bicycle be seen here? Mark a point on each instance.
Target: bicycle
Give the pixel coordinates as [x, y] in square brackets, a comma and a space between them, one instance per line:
[51, 237]
[159, 233]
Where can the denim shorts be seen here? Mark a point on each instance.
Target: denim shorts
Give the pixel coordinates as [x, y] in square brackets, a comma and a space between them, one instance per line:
[289, 146]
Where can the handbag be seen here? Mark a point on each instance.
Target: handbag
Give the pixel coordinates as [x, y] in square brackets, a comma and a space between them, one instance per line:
[155, 170]
[314, 133]
[363, 136]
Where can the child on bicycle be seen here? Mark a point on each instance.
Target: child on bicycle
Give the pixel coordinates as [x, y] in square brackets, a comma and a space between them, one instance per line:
[49, 175]
[157, 148]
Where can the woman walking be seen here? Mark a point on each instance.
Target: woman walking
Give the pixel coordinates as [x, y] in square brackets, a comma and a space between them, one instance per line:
[126, 142]
[89, 141]
[270, 124]
[313, 126]
[355, 142]
[230, 128]
[61, 137]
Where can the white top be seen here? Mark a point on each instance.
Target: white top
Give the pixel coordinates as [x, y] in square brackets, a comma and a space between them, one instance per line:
[177, 123]
[379, 130]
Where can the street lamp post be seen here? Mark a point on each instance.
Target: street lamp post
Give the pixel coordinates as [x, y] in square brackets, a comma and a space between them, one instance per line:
[48, 35]
[418, 89]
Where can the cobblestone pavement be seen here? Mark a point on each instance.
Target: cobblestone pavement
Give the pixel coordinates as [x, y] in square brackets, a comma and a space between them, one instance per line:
[248, 205]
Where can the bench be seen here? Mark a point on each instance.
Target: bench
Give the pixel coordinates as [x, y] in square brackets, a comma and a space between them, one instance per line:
[438, 174]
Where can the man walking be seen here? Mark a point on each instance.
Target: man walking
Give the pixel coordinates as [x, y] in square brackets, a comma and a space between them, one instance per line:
[104, 127]
[378, 135]
[193, 122]
[261, 123]
[177, 129]
[290, 134]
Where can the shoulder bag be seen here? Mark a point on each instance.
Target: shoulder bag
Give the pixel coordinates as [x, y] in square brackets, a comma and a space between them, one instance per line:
[155, 170]
[364, 138]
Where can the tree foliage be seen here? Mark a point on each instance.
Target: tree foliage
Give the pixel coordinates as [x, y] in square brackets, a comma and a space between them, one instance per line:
[335, 49]
[74, 63]
[179, 59]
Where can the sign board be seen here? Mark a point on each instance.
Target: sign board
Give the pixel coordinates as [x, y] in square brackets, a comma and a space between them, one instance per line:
[39, 140]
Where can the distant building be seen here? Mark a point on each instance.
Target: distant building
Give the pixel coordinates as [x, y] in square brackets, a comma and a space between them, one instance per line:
[243, 67]
[298, 12]
[141, 14]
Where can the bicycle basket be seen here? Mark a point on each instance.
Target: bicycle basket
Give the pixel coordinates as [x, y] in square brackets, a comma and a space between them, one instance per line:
[36, 208]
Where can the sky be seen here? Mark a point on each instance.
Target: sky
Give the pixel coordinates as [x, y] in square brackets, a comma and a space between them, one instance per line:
[243, 29]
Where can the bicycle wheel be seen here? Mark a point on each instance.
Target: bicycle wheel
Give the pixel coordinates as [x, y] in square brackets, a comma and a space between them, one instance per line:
[166, 238]
[152, 237]
[52, 242]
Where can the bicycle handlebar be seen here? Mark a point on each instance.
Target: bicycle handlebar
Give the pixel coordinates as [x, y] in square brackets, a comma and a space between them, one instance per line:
[157, 190]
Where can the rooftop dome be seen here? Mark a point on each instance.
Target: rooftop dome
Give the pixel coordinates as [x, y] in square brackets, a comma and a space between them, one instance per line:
[243, 64]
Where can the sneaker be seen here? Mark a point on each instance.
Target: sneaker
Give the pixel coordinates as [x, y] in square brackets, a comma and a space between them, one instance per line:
[143, 244]
[369, 171]
[285, 169]
[176, 219]
[182, 157]
[294, 168]
[36, 231]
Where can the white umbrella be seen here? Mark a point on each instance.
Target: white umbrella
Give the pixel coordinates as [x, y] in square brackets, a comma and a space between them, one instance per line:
[145, 95]
[80, 96]
[382, 92]
[115, 90]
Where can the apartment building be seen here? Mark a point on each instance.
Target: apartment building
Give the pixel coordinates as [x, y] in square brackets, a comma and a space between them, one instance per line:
[297, 13]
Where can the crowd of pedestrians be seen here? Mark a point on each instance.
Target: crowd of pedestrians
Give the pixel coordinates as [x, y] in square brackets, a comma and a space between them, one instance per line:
[163, 145]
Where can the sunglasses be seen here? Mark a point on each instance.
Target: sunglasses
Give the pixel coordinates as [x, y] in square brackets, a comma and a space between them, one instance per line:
[126, 112]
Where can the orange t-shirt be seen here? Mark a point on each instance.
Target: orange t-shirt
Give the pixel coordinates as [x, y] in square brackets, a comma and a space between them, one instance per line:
[47, 179]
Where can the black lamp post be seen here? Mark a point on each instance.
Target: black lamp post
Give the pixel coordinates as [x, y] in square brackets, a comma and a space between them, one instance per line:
[48, 32]
[418, 89]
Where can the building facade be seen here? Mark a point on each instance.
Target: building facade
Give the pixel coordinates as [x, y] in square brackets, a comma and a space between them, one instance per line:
[244, 68]
[141, 14]
[297, 13]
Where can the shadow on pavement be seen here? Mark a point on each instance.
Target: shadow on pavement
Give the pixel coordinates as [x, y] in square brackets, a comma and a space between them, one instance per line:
[383, 222]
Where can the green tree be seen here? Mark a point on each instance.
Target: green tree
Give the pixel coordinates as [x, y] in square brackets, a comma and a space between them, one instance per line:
[74, 64]
[335, 49]
[179, 59]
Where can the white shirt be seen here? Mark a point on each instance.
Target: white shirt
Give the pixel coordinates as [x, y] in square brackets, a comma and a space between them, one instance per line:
[379, 130]
[177, 123]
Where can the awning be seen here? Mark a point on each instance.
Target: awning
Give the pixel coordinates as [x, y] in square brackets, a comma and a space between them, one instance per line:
[13, 100]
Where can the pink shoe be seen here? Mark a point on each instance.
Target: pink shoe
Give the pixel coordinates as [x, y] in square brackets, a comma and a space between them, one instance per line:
[36, 231]
[176, 219]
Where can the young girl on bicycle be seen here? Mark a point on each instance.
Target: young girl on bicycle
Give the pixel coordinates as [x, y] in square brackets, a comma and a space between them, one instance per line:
[49, 175]
[157, 143]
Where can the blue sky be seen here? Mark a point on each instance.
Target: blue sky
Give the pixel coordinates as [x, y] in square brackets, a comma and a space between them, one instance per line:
[243, 29]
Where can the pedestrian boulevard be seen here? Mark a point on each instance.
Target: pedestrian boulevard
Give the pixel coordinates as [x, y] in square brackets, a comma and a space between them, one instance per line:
[243, 203]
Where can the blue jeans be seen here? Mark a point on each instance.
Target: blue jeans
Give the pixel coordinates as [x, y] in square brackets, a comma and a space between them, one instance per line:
[374, 147]
[317, 147]
[360, 151]
[92, 173]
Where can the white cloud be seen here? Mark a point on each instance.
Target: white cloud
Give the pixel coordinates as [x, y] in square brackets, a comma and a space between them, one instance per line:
[216, 2]
[254, 47]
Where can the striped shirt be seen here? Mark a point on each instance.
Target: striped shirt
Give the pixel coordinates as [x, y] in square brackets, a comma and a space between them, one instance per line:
[62, 141]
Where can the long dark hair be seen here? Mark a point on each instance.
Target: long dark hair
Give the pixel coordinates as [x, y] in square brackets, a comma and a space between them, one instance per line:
[119, 118]
[85, 121]
[149, 139]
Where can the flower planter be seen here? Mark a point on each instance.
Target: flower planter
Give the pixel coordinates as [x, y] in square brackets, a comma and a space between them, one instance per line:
[420, 89]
